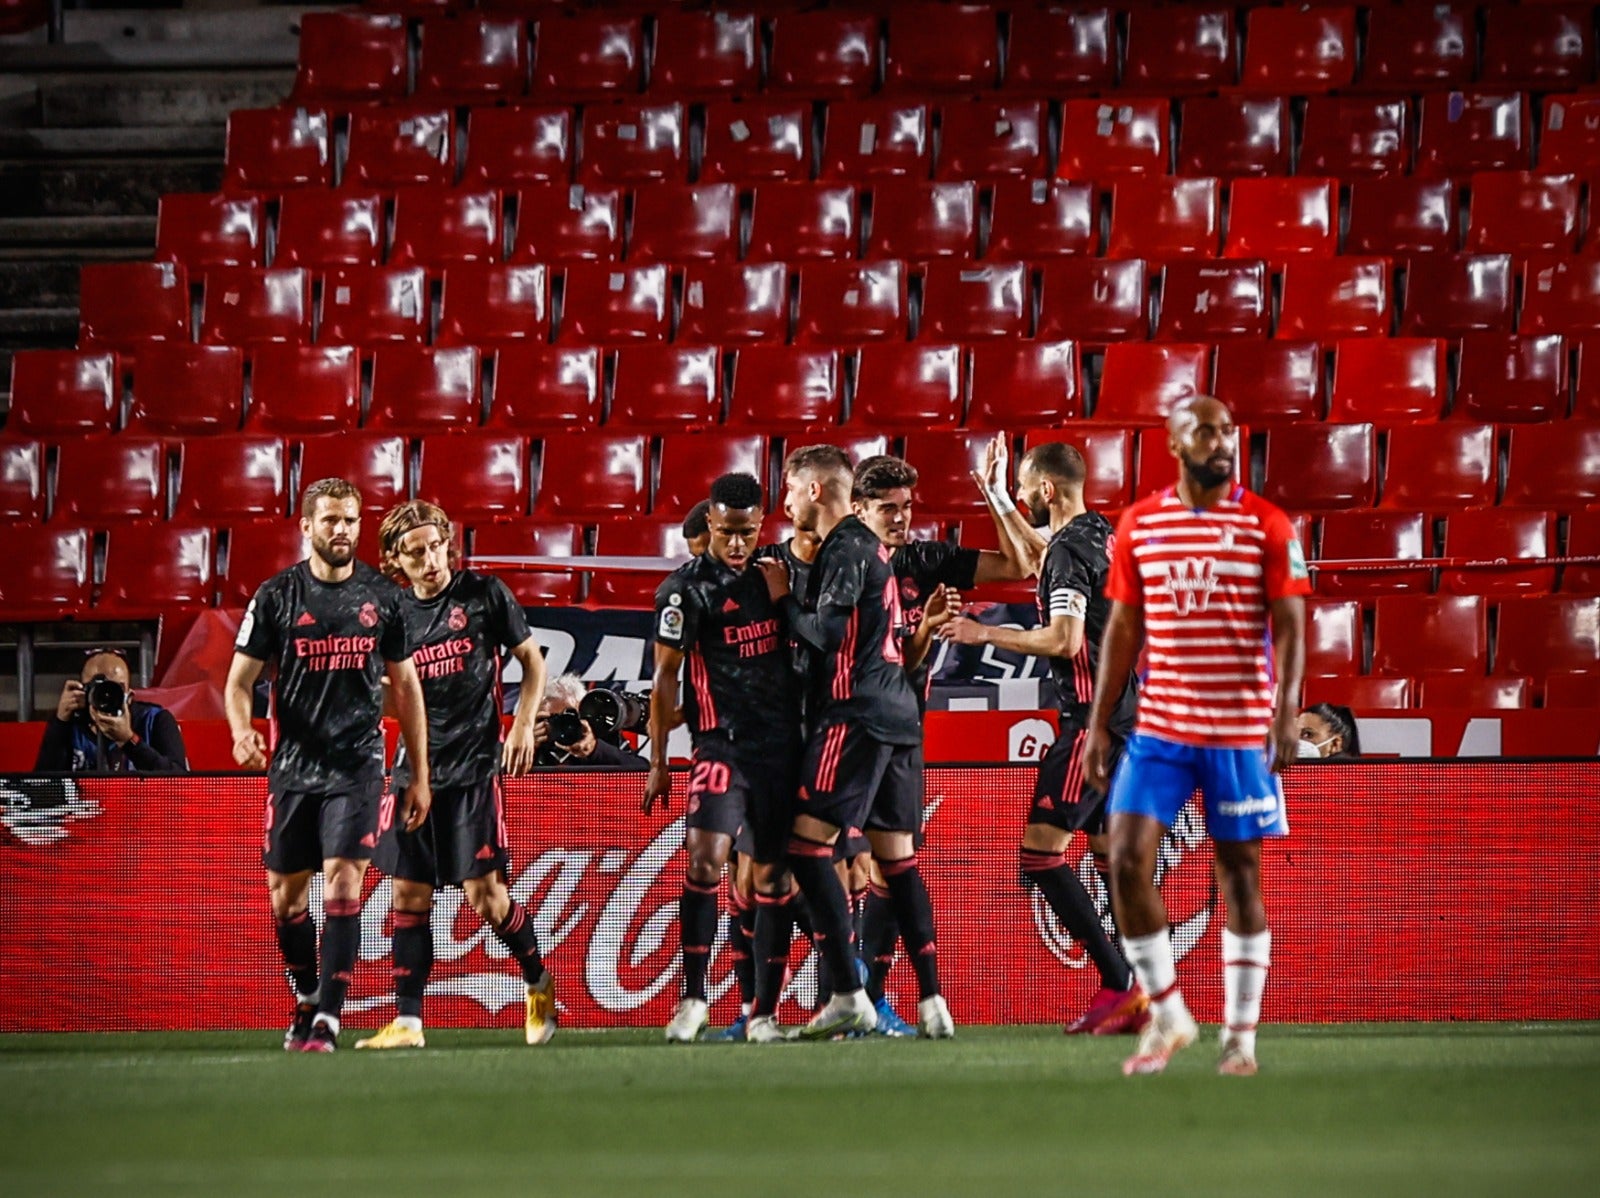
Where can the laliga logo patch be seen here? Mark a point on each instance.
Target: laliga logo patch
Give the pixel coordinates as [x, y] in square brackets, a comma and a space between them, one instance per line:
[369, 615]
[458, 619]
[670, 626]
[37, 810]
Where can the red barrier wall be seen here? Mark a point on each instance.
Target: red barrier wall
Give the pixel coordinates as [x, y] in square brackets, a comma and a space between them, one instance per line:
[1450, 890]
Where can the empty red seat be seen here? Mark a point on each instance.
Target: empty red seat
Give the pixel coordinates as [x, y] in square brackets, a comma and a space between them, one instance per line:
[661, 388]
[823, 53]
[1142, 380]
[1317, 467]
[370, 306]
[756, 141]
[153, 568]
[475, 476]
[272, 148]
[992, 139]
[1518, 212]
[1462, 132]
[1420, 47]
[122, 305]
[1061, 50]
[1214, 300]
[917, 221]
[1566, 689]
[1502, 377]
[304, 389]
[1560, 295]
[901, 387]
[876, 139]
[689, 461]
[398, 147]
[699, 55]
[963, 301]
[22, 481]
[329, 228]
[52, 569]
[378, 465]
[1107, 459]
[472, 57]
[1451, 294]
[1583, 540]
[203, 230]
[1327, 298]
[1334, 642]
[1160, 218]
[1299, 50]
[258, 549]
[1502, 535]
[634, 538]
[101, 479]
[846, 302]
[546, 388]
[734, 302]
[253, 307]
[517, 145]
[351, 56]
[557, 223]
[1542, 635]
[1018, 383]
[1569, 138]
[1360, 691]
[1041, 218]
[1093, 301]
[421, 389]
[533, 538]
[786, 388]
[1183, 48]
[1103, 141]
[1585, 349]
[488, 304]
[588, 56]
[1389, 379]
[605, 304]
[945, 461]
[1431, 468]
[1477, 694]
[184, 390]
[1375, 535]
[1350, 136]
[1544, 47]
[64, 393]
[435, 226]
[1277, 219]
[1232, 135]
[230, 476]
[633, 143]
[1430, 634]
[1270, 382]
[942, 48]
[681, 222]
[1401, 216]
[1554, 465]
[800, 221]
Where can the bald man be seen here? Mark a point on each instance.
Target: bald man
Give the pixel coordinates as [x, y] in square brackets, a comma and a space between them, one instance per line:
[125, 738]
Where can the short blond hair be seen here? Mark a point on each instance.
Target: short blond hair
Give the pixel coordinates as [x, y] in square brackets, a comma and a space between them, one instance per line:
[327, 488]
[405, 518]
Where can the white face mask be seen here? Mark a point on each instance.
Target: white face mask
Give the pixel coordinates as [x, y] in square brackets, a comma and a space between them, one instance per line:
[1308, 748]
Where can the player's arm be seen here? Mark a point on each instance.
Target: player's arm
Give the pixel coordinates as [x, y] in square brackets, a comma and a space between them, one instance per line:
[942, 607]
[406, 688]
[665, 715]
[1288, 616]
[824, 629]
[1061, 637]
[517, 754]
[238, 700]
[1119, 652]
[1021, 545]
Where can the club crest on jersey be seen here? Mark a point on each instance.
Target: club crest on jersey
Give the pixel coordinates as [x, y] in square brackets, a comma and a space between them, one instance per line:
[458, 618]
[908, 590]
[369, 615]
[1191, 582]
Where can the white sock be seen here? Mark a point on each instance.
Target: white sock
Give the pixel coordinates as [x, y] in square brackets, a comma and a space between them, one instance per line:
[1244, 976]
[331, 1022]
[1151, 958]
[313, 998]
[746, 1008]
[412, 1023]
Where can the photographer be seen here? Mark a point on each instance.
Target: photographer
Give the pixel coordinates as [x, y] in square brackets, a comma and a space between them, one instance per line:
[565, 732]
[99, 727]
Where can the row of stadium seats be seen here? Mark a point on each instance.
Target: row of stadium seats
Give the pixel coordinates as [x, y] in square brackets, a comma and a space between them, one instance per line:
[857, 141]
[1162, 218]
[1095, 301]
[1367, 692]
[352, 56]
[175, 388]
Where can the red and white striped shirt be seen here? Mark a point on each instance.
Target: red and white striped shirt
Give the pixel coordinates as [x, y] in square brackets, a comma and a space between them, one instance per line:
[1206, 580]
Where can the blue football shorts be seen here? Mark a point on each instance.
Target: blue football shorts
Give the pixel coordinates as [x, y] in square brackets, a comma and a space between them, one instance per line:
[1243, 799]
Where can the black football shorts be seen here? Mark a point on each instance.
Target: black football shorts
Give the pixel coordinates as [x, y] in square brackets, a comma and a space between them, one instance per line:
[304, 829]
[463, 837]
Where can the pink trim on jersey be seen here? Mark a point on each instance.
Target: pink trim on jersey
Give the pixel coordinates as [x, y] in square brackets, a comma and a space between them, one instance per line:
[702, 690]
[845, 659]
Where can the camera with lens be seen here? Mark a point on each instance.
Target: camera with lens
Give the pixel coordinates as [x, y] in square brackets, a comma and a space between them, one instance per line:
[106, 695]
[566, 729]
[611, 713]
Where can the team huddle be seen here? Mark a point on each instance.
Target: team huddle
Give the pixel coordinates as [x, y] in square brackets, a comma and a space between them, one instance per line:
[801, 672]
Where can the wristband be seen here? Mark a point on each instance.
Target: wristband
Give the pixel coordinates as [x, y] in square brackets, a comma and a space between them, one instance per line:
[1000, 500]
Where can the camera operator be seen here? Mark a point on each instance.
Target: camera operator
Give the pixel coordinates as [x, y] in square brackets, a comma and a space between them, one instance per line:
[566, 736]
[99, 727]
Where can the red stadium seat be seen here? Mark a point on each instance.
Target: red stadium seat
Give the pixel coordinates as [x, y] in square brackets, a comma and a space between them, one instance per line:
[1319, 467]
[371, 306]
[1518, 212]
[420, 389]
[1393, 536]
[546, 388]
[664, 388]
[1553, 465]
[1585, 376]
[1361, 692]
[1155, 470]
[864, 140]
[1229, 136]
[756, 141]
[823, 53]
[398, 147]
[1510, 379]
[1214, 300]
[1183, 48]
[1042, 218]
[1431, 468]
[516, 146]
[734, 302]
[1569, 139]
[154, 568]
[605, 304]
[63, 393]
[301, 389]
[803, 221]
[683, 222]
[375, 462]
[1389, 379]
[1333, 638]
[1566, 689]
[1560, 295]
[1061, 50]
[1430, 634]
[1277, 219]
[945, 461]
[470, 57]
[635, 538]
[1141, 381]
[205, 230]
[1101, 141]
[349, 56]
[1093, 301]
[258, 549]
[1348, 136]
[254, 307]
[1161, 218]
[846, 302]
[488, 304]
[1583, 540]
[963, 301]
[22, 481]
[699, 55]
[186, 390]
[1327, 298]
[1542, 635]
[533, 538]
[588, 56]
[942, 48]
[328, 228]
[1420, 47]
[1400, 216]
[1478, 694]
[51, 577]
[272, 148]
[588, 475]
[689, 461]
[786, 388]
[1019, 383]
[1270, 382]
[557, 223]
[1544, 47]
[1299, 50]
[1107, 456]
[1462, 132]
[1448, 295]
[901, 387]
[992, 139]
[1503, 535]
[918, 221]
[232, 476]
[634, 143]
[438, 227]
[100, 479]
[122, 305]
[475, 476]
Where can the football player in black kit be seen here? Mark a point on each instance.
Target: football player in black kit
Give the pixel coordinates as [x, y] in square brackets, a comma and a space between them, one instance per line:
[332, 627]
[460, 623]
[863, 758]
[1073, 610]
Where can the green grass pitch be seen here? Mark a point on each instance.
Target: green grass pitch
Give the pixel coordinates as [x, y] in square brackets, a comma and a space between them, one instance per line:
[1373, 1109]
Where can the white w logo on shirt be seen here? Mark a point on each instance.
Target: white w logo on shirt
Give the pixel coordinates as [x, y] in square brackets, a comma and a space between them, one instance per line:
[1191, 582]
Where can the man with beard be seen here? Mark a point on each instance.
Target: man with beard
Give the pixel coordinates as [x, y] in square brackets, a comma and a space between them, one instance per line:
[1072, 614]
[1202, 573]
[332, 627]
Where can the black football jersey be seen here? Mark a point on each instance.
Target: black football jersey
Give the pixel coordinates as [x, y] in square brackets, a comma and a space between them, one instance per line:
[1072, 583]
[740, 688]
[459, 637]
[328, 642]
[921, 566]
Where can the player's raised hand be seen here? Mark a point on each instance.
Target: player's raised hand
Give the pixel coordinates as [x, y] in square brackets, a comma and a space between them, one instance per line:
[1284, 739]
[250, 750]
[776, 575]
[995, 460]
[964, 630]
[522, 744]
[657, 788]
[415, 805]
[1097, 759]
[942, 606]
